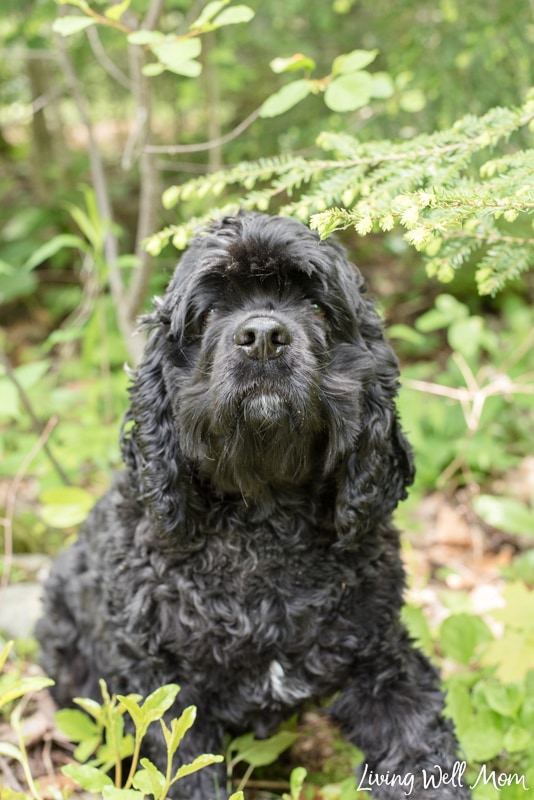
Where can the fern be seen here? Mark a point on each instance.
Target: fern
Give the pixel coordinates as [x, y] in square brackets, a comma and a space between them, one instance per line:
[462, 194]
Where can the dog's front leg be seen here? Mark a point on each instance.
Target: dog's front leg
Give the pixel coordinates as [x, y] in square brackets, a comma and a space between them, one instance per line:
[392, 709]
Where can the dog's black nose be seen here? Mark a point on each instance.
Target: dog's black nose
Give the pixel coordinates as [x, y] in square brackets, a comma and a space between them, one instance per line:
[262, 338]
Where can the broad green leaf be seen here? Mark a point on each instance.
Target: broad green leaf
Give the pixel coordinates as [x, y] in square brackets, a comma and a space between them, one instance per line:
[505, 513]
[87, 747]
[353, 62]
[466, 336]
[460, 635]
[149, 779]
[29, 375]
[233, 16]
[349, 92]
[160, 700]
[418, 628]
[189, 69]
[207, 14]
[517, 738]
[10, 751]
[512, 654]
[75, 724]
[24, 686]
[52, 247]
[293, 63]
[177, 56]
[483, 739]
[151, 70]
[506, 700]
[406, 334]
[66, 506]
[198, 763]
[458, 706]
[177, 50]
[261, 752]
[383, 86]
[90, 778]
[143, 37]
[69, 25]
[519, 609]
[90, 706]
[412, 101]
[116, 11]
[285, 98]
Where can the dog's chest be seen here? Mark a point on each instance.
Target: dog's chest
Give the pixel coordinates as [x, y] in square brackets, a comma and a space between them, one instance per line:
[270, 602]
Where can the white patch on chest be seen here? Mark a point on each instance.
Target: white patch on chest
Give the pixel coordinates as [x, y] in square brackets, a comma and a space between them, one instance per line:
[285, 688]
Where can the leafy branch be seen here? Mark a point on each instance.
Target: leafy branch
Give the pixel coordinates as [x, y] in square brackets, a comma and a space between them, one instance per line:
[452, 211]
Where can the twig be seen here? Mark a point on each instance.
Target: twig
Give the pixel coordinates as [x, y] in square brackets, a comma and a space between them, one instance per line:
[105, 61]
[211, 145]
[36, 424]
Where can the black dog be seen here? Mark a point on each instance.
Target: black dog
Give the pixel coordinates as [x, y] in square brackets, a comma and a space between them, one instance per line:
[247, 551]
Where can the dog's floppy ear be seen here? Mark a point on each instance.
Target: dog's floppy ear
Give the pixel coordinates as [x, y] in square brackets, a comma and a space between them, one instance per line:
[374, 476]
[150, 446]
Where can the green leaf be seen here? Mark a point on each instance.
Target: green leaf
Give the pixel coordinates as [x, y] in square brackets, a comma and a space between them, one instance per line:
[506, 700]
[458, 706]
[144, 37]
[69, 25]
[149, 780]
[260, 752]
[66, 506]
[406, 334]
[233, 16]
[4, 654]
[24, 686]
[207, 14]
[131, 704]
[75, 724]
[285, 98]
[483, 739]
[189, 69]
[179, 728]
[466, 336]
[516, 739]
[90, 707]
[293, 63]
[116, 11]
[151, 70]
[90, 778]
[52, 247]
[519, 609]
[513, 655]
[383, 86]
[349, 92]
[460, 635]
[10, 751]
[161, 700]
[353, 62]
[177, 55]
[412, 101]
[198, 763]
[418, 627]
[505, 513]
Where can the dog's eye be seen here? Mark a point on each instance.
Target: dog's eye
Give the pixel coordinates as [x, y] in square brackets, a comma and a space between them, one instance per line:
[208, 316]
[318, 310]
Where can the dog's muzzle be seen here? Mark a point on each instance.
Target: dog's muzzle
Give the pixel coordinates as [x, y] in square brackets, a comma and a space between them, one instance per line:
[262, 338]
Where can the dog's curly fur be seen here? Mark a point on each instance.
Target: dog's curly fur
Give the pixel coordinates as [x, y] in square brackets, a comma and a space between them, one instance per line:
[247, 552]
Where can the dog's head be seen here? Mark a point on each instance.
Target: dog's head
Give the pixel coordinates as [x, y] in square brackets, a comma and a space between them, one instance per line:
[266, 367]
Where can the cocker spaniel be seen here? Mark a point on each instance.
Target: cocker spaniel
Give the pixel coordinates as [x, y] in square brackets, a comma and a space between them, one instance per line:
[247, 551]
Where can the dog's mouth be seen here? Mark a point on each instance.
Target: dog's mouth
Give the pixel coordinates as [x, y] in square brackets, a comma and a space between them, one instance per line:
[263, 407]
